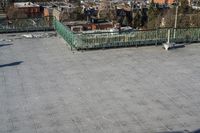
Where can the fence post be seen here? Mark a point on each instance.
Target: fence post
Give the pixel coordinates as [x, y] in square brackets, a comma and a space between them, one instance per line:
[168, 36]
[156, 36]
[198, 34]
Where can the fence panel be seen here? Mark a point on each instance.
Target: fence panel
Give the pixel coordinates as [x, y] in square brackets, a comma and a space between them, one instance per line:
[139, 38]
[102, 40]
[67, 34]
[26, 25]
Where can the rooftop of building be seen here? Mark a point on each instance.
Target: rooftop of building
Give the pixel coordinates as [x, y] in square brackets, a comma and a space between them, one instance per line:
[25, 4]
[46, 88]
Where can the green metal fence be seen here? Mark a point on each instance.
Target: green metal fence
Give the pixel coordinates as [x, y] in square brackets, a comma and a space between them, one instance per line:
[139, 38]
[106, 40]
[187, 35]
[67, 34]
[126, 39]
[26, 25]
[101, 40]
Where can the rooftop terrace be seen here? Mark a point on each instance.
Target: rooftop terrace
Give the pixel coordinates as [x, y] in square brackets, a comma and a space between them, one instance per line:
[46, 88]
[25, 4]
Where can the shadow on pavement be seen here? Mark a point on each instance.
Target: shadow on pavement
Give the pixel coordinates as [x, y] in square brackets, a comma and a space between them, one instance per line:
[3, 45]
[11, 64]
[196, 131]
[176, 46]
[175, 132]
[185, 131]
[179, 46]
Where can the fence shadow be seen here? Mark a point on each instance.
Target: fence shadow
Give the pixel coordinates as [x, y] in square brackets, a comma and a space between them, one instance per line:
[177, 46]
[3, 45]
[185, 131]
[11, 64]
[196, 131]
[175, 132]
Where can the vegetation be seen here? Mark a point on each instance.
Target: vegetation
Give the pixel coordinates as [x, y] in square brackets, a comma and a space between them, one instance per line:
[15, 13]
[77, 14]
[151, 18]
[137, 20]
[153, 14]
[184, 7]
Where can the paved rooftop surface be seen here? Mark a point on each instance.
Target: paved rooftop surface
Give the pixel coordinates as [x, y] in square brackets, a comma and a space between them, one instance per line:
[46, 88]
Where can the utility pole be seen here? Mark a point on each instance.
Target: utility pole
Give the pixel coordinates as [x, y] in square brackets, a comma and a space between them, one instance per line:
[176, 17]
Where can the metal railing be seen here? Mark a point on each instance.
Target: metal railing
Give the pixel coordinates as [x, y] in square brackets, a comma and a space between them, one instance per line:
[71, 38]
[136, 38]
[26, 25]
[101, 40]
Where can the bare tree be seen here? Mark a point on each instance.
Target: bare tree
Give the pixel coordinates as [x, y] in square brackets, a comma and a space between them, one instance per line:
[15, 13]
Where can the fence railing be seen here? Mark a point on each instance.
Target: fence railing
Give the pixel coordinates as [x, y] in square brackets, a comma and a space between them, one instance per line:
[26, 25]
[125, 39]
[102, 40]
[66, 33]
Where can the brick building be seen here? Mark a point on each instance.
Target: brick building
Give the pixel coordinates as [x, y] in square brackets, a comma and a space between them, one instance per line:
[32, 10]
[168, 1]
[23, 9]
[164, 1]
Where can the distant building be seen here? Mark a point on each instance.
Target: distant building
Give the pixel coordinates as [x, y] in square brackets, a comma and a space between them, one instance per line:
[169, 2]
[27, 8]
[30, 9]
[98, 24]
[60, 10]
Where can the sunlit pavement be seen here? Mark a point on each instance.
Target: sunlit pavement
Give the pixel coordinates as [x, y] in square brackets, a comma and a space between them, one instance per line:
[46, 88]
